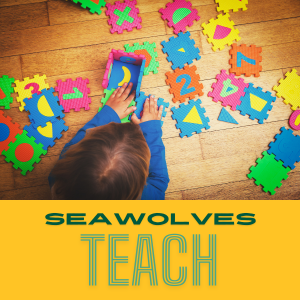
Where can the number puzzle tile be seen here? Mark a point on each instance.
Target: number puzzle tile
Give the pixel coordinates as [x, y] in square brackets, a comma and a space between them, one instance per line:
[43, 108]
[286, 148]
[108, 93]
[289, 89]
[256, 103]
[235, 5]
[269, 172]
[140, 101]
[228, 90]
[93, 5]
[8, 131]
[24, 152]
[294, 120]
[5, 91]
[225, 116]
[123, 16]
[27, 87]
[46, 135]
[148, 50]
[179, 15]
[73, 94]
[184, 83]
[181, 50]
[190, 118]
[221, 32]
[245, 60]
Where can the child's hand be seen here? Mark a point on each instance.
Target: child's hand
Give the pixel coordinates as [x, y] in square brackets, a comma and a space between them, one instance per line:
[119, 102]
[150, 112]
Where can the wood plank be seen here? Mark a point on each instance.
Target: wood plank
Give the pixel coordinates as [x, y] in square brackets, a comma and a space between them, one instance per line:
[73, 35]
[32, 193]
[258, 11]
[23, 16]
[11, 66]
[174, 196]
[4, 3]
[6, 177]
[246, 190]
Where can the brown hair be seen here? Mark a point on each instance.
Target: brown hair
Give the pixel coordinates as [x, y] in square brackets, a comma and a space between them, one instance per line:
[111, 162]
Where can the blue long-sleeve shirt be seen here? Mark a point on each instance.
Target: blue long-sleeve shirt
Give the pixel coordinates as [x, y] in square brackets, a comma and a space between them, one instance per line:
[158, 178]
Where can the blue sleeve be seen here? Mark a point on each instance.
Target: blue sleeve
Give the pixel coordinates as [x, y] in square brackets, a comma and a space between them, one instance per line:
[105, 116]
[158, 179]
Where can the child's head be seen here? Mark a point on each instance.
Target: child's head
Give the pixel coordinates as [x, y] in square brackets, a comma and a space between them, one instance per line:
[111, 162]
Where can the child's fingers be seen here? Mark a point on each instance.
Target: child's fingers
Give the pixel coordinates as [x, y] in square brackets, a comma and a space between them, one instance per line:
[155, 105]
[135, 119]
[152, 105]
[130, 98]
[114, 93]
[127, 91]
[121, 89]
[129, 110]
[146, 105]
[160, 111]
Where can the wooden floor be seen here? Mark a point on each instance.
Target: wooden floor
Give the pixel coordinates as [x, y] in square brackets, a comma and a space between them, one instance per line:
[60, 39]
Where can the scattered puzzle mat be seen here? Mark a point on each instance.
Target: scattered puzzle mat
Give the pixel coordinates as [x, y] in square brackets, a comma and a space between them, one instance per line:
[228, 90]
[294, 120]
[179, 15]
[184, 83]
[148, 50]
[245, 60]
[28, 86]
[286, 148]
[269, 172]
[73, 94]
[8, 131]
[24, 152]
[123, 16]
[256, 103]
[43, 108]
[221, 32]
[5, 91]
[93, 5]
[181, 50]
[289, 89]
[225, 116]
[235, 5]
[190, 118]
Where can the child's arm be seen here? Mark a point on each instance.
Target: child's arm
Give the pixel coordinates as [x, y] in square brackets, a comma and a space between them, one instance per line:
[150, 124]
[116, 108]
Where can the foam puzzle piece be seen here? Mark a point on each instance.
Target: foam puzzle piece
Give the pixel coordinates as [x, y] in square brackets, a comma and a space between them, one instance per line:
[181, 50]
[245, 60]
[28, 86]
[289, 89]
[73, 94]
[269, 172]
[225, 116]
[256, 103]
[140, 101]
[93, 5]
[123, 16]
[8, 131]
[190, 118]
[123, 67]
[43, 108]
[47, 135]
[108, 93]
[179, 15]
[286, 148]
[5, 91]
[148, 50]
[228, 90]
[294, 120]
[184, 83]
[221, 32]
[24, 152]
[235, 5]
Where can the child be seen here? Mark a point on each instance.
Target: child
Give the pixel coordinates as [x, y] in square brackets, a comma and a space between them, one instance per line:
[110, 160]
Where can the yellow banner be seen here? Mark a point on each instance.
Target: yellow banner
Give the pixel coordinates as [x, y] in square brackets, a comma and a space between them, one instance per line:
[149, 250]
